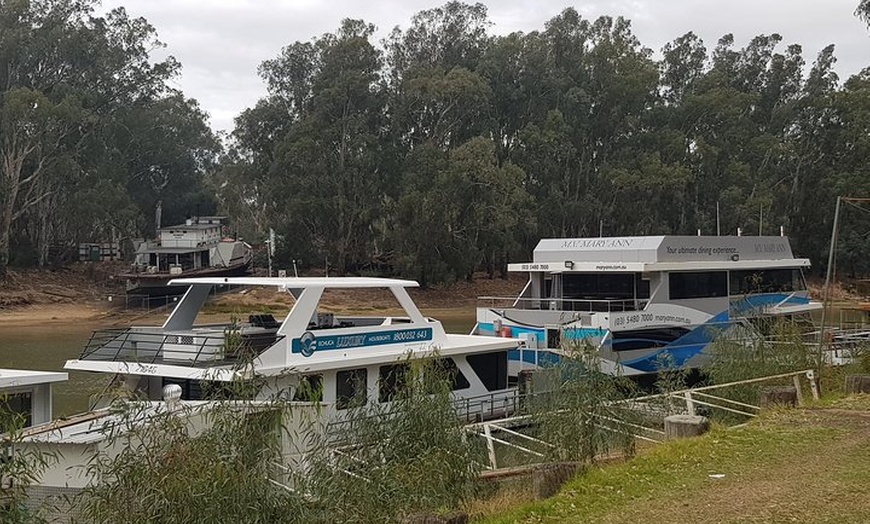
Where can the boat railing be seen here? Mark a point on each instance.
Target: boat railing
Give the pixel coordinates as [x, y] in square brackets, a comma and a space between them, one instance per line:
[489, 406]
[192, 349]
[605, 305]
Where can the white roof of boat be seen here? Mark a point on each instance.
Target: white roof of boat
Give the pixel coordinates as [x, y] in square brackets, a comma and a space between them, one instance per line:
[660, 253]
[296, 282]
[95, 426]
[10, 378]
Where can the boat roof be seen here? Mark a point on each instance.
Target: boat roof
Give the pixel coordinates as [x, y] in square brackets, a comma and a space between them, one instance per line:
[296, 282]
[10, 378]
[171, 250]
[660, 253]
[96, 426]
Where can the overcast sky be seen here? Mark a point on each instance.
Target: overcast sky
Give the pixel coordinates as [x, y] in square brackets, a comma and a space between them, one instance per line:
[220, 43]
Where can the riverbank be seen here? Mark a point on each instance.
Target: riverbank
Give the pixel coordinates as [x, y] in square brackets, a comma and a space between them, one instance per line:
[798, 465]
[81, 293]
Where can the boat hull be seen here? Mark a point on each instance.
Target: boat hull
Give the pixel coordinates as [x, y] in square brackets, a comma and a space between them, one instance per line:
[156, 284]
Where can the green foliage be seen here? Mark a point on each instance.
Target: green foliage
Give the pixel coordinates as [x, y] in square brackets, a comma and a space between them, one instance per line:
[774, 348]
[579, 413]
[20, 467]
[442, 151]
[408, 456]
[157, 468]
[94, 134]
[226, 461]
[456, 150]
[670, 378]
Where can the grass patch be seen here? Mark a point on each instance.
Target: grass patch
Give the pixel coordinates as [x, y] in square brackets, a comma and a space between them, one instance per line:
[808, 465]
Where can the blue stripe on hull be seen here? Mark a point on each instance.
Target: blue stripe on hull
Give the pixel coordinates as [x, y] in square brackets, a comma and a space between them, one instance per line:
[676, 353]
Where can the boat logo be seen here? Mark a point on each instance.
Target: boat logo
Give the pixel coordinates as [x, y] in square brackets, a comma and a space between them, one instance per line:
[307, 343]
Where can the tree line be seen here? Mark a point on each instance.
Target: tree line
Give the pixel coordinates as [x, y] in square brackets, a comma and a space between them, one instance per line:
[439, 151]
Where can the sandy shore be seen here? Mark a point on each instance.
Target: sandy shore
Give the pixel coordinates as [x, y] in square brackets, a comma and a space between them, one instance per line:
[51, 313]
[95, 314]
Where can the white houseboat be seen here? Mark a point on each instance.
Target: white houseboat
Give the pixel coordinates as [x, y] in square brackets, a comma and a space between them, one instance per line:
[644, 301]
[314, 363]
[197, 248]
[344, 357]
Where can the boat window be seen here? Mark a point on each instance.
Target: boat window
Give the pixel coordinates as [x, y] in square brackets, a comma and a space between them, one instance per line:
[191, 389]
[391, 381]
[392, 378]
[702, 284]
[766, 281]
[18, 403]
[598, 286]
[642, 285]
[554, 338]
[491, 368]
[350, 388]
[448, 367]
[309, 389]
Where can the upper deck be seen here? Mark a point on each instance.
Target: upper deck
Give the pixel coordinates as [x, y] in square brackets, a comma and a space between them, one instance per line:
[306, 340]
[624, 274]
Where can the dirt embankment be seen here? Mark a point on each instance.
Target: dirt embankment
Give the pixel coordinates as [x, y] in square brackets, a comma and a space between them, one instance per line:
[81, 293]
[78, 292]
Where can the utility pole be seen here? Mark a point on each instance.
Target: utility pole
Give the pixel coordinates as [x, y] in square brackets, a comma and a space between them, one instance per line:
[829, 273]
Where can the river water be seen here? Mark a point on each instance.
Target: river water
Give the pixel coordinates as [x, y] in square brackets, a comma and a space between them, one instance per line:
[47, 347]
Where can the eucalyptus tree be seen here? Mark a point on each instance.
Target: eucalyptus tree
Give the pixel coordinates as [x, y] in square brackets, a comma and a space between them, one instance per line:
[728, 116]
[68, 79]
[863, 11]
[436, 93]
[847, 174]
[461, 210]
[591, 97]
[327, 166]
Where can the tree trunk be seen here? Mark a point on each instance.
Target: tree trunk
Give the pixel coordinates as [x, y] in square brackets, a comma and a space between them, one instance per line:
[6, 215]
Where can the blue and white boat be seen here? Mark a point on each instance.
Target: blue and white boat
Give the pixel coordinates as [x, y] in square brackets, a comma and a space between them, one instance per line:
[645, 301]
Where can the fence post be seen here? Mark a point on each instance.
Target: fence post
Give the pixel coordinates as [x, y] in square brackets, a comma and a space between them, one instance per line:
[797, 386]
[814, 388]
[490, 447]
[690, 406]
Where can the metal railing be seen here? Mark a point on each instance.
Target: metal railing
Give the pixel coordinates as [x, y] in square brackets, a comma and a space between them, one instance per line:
[508, 432]
[194, 349]
[498, 404]
[615, 305]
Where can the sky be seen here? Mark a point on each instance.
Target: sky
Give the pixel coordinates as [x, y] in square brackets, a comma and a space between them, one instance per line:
[220, 43]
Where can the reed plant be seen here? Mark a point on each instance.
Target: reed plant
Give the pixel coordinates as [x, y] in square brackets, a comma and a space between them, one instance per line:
[163, 467]
[583, 413]
[20, 467]
[408, 456]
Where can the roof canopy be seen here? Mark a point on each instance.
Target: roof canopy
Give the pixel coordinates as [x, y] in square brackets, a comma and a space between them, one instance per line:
[297, 282]
[662, 249]
[660, 253]
[22, 377]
